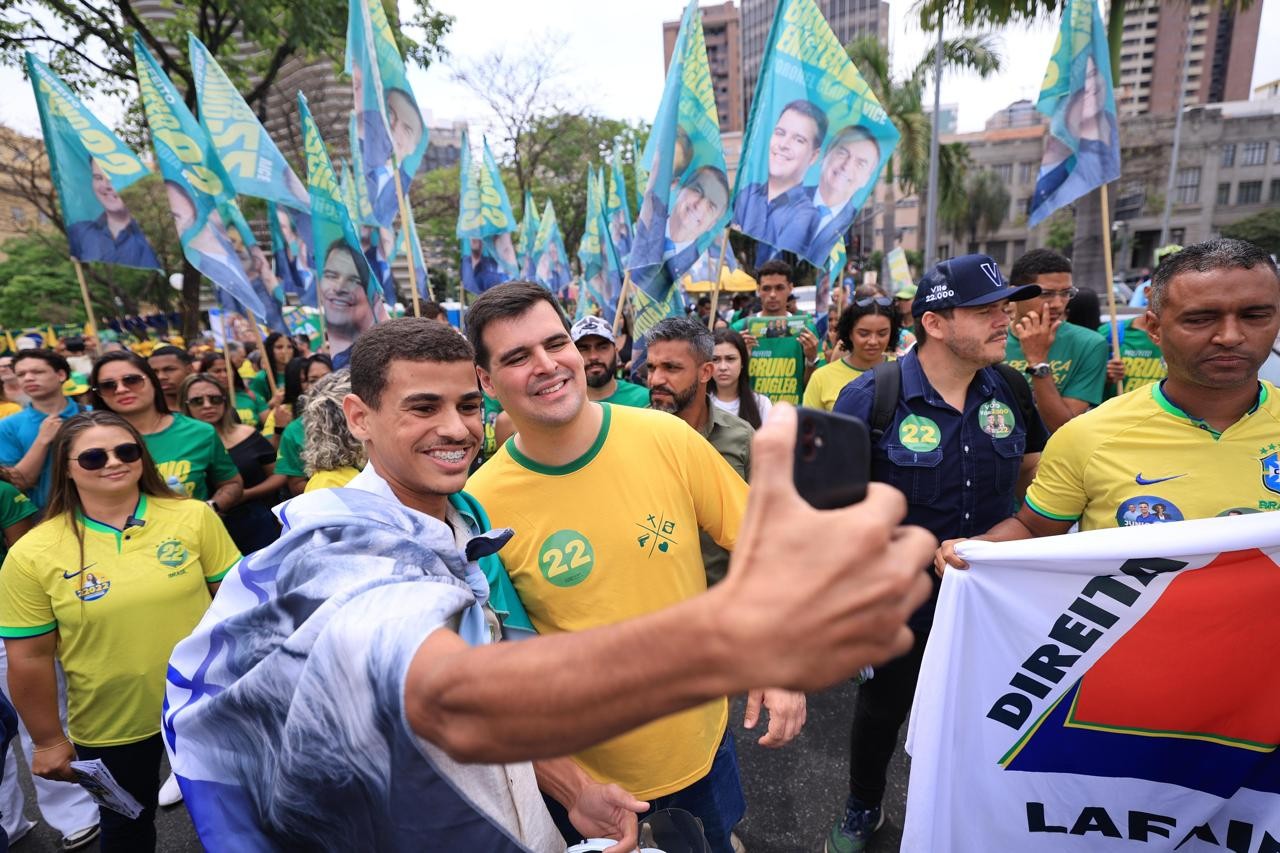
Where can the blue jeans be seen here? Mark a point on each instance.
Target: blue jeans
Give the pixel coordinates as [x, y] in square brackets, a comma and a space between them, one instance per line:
[716, 799]
[8, 728]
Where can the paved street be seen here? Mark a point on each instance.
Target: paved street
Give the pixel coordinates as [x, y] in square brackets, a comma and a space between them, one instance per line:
[793, 794]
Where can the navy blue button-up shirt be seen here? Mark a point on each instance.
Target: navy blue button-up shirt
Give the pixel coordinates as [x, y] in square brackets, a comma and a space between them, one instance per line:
[959, 470]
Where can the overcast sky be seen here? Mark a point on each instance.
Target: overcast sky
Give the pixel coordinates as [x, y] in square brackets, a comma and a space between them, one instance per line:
[614, 51]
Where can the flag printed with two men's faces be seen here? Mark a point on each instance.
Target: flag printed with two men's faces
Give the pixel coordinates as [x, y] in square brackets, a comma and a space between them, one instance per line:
[816, 142]
[90, 167]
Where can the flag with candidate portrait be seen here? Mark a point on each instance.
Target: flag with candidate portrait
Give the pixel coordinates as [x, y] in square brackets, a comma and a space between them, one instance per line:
[1108, 690]
[527, 235]
[1082, 147]
[639, 172]
[617, 210]
[90, 167]
[407, 242]
[350, 295]
[294, 259]
[601, 271]
[816, 141]
[686, 197]
[549, 260]
[201, 196]
[485, 209]
[392, 134]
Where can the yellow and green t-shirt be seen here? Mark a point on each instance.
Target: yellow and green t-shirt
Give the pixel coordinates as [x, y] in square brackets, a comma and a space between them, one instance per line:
[777, 362]
[189, 452]
[1078, 358]
[826, 383]
[1143, 363]
[335, 479]
[1139, 459]
[119, 613]
[613, 535]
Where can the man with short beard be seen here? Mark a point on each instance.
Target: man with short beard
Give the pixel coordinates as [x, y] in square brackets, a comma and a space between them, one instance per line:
[680, 368]
[595, 342]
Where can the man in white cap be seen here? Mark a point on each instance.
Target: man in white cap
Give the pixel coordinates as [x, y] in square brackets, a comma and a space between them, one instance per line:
[593, 336]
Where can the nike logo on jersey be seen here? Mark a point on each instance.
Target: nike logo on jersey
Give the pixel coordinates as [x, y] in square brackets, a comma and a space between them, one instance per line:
[69, 576]
[1143, 481]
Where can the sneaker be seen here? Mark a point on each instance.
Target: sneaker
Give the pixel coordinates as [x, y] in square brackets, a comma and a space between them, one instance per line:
[81, 838]
[170, 793]
[736, 843]
[852, 834]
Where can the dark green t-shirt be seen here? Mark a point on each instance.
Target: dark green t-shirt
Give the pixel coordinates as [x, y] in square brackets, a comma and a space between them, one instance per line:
[777, 363]
[258, 385]
[629, 394]
[14, 507]
[1143, 363]
[249, 408]
[1078, 358]
[289, 456]
[189, 452]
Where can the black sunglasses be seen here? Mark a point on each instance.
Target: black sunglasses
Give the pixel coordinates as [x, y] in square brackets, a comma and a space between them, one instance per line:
[882, 301]
[133, 382]
[96, 458]
[212, 400]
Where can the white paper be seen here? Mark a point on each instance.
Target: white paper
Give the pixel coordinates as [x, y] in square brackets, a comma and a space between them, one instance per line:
[95, 778]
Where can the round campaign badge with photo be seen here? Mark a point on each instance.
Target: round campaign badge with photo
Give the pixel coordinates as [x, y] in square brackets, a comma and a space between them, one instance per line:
[919, 434]
[996, 419]
[1238, 510]
[1147, 509]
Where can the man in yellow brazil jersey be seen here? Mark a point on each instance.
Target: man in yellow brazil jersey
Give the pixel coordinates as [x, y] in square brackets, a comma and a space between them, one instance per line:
[1201, 443]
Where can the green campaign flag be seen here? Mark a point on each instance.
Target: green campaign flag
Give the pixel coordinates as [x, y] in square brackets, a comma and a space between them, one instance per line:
[526, 235]
[549, 259]
[640, 173]
[589, 252]
[201, 195]
[832, 273]
[363, 209]
[90, 166]
[616, 207]
[392, 135]
[350, 295]
[251, 158]
[816, 141]
[485, 210]
[686, 199]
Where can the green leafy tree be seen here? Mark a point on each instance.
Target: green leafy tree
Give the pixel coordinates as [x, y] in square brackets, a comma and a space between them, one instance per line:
[987, 204]
[903, 100]
[1261, 229]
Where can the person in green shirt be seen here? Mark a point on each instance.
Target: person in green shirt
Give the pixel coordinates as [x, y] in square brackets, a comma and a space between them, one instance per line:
[249, 408]
[868, 335]
[17, 515]
[784, 347]
[593, 336]
[1066, 364]
[188, 453]
[289, 457]
[278, 350]
[1140, 362]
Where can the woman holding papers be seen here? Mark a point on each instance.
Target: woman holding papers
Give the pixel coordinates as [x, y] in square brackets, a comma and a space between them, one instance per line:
[116, 574]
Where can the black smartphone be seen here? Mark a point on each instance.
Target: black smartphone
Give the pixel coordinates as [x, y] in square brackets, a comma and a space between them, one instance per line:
[833, 458]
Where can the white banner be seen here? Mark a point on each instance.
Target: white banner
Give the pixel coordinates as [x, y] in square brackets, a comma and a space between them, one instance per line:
[1112, 690]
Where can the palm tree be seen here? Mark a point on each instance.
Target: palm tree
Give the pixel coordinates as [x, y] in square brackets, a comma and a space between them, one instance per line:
[981, 210]
[903, 101]
[953, 174]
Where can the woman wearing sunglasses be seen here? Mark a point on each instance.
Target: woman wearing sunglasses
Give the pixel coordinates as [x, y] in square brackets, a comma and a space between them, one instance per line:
[119, 571]
[248, 408]
[250, 522]
[187, 453]
[868, 335]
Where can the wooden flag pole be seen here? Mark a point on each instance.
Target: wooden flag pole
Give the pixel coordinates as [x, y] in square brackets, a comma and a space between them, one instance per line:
[715, 285]
[226, 357]
[622, 300]
[1111, 290]
[91, 327]
[266, 356]
[408, 242]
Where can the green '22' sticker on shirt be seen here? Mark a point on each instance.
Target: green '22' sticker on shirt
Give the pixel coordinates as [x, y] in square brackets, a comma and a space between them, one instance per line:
[919, 434]
[566, 558]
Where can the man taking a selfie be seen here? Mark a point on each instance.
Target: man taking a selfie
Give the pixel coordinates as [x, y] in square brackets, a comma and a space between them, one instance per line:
[957, 433]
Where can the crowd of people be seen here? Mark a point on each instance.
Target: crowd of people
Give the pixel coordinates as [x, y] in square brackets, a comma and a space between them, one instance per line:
[198, 545]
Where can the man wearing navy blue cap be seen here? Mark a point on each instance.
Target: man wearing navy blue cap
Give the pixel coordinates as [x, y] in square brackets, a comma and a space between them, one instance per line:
[956, 431]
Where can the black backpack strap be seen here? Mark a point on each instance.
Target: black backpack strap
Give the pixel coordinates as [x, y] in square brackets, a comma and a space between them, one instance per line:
[888, 387]
[1021, 389]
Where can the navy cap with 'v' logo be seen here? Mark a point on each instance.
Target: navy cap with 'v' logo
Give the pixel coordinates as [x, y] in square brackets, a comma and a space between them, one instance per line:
[967, 282]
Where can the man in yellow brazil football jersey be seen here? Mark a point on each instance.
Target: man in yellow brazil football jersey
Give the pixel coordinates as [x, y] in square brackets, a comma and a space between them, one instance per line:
[1204, 442]
[579, 561]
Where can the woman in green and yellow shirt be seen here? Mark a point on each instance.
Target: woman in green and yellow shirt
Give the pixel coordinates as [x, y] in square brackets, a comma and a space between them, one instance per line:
[119, 571]
[868, 335]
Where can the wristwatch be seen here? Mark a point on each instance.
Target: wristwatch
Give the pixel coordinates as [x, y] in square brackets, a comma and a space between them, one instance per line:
[1040, 370]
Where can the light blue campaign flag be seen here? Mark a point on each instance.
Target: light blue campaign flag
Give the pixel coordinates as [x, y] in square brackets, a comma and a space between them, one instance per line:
[816, 142]
[251, 158]
[200, 192]
[90, 166]
[350, 295]
[686, 198]
[295, 262]
[550, 261]
[414, 250]
[392, 133]
[1082, 148]
[485, 210]
[617, 209]
[526, 235]
[601, 269]
[639, 172]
